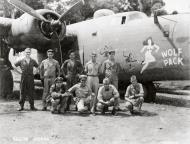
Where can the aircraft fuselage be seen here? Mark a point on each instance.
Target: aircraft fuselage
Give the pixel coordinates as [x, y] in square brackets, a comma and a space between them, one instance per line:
[140, 45]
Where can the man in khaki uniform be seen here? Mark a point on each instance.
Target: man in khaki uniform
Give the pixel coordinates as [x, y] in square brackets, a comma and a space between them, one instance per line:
[57, 98]
[82, 93]
[49, 70]
[107, 96]
[111, 69]
[134, 95]
[92, 68]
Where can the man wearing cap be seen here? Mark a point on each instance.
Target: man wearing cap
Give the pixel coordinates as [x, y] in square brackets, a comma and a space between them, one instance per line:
[82, 94]
[57, 98]
[27, 79]
[107, 96]
[71, 69]
[92, 68]
[111, 68]
[134, 95]
[49, 69]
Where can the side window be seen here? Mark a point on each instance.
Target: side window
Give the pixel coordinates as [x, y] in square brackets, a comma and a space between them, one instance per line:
[123, 19]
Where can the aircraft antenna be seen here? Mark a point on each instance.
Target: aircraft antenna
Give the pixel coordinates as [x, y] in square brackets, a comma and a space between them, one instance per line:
[83, 56]
[55, 38]
[60, 50]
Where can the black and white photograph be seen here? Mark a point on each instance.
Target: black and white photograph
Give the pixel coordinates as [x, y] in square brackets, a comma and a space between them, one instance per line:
[94, 71]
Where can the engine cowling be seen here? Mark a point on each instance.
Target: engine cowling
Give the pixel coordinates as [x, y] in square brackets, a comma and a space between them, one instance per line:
[27, 31]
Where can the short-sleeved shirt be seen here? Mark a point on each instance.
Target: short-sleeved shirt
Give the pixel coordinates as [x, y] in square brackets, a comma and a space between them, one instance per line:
[49, 68]
[92, 68]
[80, 92]
[105, 95]
[111, 69]
[72, 67]
[26, 68]
[134, 89]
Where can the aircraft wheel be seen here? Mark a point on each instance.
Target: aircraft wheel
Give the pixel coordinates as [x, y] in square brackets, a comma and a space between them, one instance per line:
[6, 83]
[149, 92]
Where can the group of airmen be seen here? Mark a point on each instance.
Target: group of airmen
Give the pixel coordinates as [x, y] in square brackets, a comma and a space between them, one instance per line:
[81, 87]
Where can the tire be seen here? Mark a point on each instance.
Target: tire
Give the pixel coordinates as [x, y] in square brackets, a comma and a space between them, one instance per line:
[6, 83]
[149, 92]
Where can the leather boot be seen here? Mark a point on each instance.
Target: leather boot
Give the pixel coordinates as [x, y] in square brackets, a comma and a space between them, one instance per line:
[32, 108]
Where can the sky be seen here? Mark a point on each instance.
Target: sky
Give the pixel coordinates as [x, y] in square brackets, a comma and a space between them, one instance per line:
[179, 5]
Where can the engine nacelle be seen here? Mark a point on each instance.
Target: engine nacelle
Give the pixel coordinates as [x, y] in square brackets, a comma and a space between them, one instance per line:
[27, 31]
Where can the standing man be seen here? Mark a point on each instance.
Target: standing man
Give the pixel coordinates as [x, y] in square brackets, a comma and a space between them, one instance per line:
[92, 68]
[107, 96]
[27, 79]
[49, 70]
[71, 69]
[111, 68]
[134, 95]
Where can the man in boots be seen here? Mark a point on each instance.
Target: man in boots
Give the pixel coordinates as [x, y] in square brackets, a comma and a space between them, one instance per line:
[27, 79]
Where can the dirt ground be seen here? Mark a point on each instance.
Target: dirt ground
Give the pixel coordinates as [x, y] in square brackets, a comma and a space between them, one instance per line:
[158, 124]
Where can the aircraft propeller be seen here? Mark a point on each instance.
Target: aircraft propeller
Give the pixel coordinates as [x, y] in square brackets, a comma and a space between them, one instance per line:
[62, 17]
[25, 8]
[72, 8]
[53, 24]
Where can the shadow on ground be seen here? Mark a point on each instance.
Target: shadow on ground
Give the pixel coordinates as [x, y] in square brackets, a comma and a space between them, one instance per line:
[172, 101]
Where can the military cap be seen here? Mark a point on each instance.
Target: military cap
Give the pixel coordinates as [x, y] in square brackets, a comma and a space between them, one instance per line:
[106, 81]
[93, 54]
[133, 78]
[50, 50]
[111, 51]
[82, 77]
[58, 79]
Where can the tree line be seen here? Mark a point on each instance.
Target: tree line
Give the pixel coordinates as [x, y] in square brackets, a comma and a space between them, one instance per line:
[86, 11]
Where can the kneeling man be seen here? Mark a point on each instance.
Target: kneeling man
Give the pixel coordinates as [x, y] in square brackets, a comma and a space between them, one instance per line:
[134, 95]
[83, 95]
[107, 96]
[57, 97]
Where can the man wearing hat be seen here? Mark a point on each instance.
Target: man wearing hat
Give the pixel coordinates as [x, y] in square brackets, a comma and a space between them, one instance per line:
[111, 68]
[57, 98]
[71, 69]
[134, 95]
[107, 96]
[82, 94]
[49, 69]
[92, 68]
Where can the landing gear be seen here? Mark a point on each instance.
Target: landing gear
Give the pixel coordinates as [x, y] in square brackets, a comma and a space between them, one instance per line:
[149, 92]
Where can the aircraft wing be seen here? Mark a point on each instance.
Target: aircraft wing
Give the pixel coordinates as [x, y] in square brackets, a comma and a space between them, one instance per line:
[5, 25]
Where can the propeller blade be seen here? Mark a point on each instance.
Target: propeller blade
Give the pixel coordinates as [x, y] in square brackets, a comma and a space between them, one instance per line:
[72, 8]
[25, 8]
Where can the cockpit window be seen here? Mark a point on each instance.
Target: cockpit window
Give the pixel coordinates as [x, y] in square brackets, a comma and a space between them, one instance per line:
[126, 17]
[131, 16]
